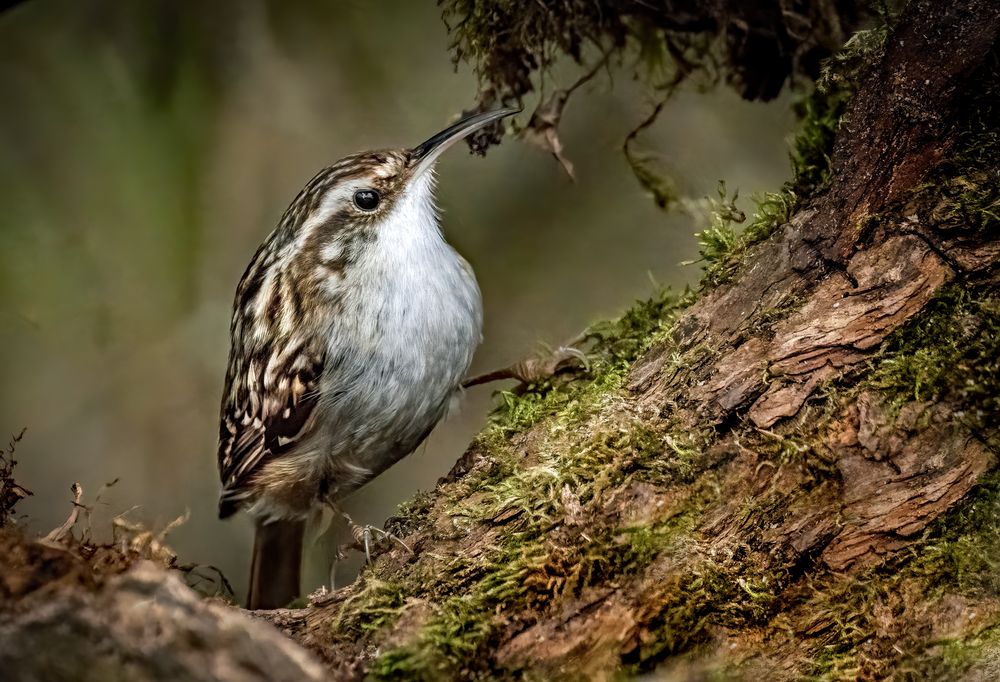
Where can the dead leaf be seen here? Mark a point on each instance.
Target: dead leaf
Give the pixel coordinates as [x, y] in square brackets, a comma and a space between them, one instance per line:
[543, 128]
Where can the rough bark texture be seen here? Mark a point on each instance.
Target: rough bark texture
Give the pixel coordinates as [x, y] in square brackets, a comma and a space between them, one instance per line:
[741, 544]
[792, 474]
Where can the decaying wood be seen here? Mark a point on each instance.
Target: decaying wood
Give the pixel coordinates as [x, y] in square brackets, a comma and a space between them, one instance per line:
[898, 478]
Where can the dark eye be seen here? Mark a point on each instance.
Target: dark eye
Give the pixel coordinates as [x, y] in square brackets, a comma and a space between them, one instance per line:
[366, 199]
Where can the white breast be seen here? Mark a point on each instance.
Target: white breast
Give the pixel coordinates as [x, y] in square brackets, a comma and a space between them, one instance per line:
[416, 315]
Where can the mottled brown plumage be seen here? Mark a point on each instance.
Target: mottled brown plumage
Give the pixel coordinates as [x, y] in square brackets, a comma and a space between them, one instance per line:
[274, 368]
[352, 328]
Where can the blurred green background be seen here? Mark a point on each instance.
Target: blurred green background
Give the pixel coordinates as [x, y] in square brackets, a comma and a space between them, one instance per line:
[149, 147]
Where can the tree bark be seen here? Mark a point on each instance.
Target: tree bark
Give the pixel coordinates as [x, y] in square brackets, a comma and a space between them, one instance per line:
[797, 476]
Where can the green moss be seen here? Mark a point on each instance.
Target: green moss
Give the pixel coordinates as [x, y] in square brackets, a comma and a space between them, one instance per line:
[614, 346]
[376, 605]
[461, 625]
[970, 202]
[948, 354]
[959, 555]
[712, 593]
[578, 443]
[950, 351]
[812, 146]
[710, 585]
[583, 457]
[646, 323]
[613, 552]
[955, 658]
[719, 244]
[961, 550]
[767, 318]
[585, 443]
[723, 247]
[822, 111]
[572, 450]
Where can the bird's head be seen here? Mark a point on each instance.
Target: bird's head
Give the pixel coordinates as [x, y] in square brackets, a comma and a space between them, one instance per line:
[377, 188]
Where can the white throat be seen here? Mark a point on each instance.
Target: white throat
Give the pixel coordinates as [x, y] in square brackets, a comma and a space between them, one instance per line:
[419, 284]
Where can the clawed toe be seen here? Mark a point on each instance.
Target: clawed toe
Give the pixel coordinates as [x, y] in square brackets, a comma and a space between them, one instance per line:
[363, 537]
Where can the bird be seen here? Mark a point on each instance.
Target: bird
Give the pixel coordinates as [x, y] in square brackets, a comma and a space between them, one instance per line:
[352, 328]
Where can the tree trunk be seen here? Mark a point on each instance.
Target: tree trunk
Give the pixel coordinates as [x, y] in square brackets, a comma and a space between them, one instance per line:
[796, 474]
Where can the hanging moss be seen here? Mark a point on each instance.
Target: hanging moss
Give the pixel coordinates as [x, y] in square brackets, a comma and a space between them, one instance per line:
[752, 46]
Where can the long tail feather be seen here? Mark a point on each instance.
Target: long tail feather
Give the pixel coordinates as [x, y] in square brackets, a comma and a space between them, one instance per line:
[277, 561]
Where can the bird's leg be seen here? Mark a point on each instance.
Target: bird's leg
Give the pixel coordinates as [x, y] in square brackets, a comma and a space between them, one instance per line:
[535, 369]
[363, 537]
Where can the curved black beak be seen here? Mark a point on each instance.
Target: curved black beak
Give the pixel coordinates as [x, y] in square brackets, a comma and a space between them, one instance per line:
[425, 154]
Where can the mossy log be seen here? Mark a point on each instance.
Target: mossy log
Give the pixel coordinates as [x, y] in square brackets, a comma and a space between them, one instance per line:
[793, 472]
[794, 476]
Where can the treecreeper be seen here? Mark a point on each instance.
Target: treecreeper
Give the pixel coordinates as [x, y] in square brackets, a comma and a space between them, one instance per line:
[352, 329]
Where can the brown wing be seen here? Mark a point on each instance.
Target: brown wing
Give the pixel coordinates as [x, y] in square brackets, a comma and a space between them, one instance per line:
[269, 405]
[272, 382]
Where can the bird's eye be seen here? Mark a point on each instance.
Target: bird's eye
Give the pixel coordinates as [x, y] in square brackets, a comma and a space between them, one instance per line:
[366, 199]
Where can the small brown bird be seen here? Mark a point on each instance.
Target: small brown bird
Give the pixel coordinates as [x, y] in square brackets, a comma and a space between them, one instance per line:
[352, 329]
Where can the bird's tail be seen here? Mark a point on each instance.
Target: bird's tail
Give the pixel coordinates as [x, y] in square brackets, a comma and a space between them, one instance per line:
[277, 560]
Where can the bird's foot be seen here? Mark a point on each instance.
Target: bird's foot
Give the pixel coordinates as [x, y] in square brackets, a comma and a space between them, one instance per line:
[535, 369]
[363, 537]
